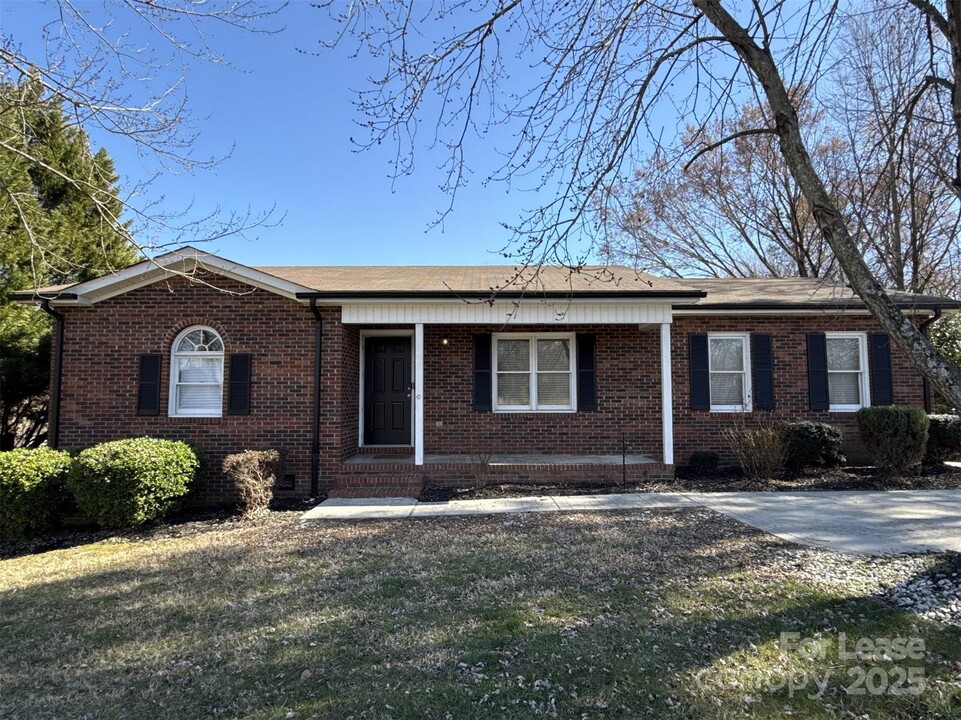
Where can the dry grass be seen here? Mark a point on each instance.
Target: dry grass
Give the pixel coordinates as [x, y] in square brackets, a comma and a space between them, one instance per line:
[571, 616]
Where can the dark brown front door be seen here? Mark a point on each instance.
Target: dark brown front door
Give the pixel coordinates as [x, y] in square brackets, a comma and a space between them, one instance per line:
[387, 391]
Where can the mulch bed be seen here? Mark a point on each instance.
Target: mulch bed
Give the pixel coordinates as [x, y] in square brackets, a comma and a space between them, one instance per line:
[939, 477]
[185, 524]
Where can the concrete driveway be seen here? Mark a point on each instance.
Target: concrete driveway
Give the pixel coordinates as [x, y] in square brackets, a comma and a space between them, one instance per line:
[873, 523]
[861, 522]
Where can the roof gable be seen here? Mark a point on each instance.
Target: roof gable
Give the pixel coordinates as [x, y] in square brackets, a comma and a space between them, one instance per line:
[178, 263]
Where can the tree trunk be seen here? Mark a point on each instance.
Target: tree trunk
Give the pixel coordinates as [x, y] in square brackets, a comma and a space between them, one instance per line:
[954, 40]
[902, 329]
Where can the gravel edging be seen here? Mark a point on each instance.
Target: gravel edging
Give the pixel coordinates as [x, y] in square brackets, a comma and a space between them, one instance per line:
[927, 585]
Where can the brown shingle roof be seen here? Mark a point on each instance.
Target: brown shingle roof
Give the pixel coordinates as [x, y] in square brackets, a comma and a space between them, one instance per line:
[473, 279]
[787, 293]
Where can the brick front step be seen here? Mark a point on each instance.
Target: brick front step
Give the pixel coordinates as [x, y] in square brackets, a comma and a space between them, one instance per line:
[399, 450]
[372, 484]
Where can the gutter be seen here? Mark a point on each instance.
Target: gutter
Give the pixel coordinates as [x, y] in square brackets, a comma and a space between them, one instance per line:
[923, 327]
[708, 308]
[505, 294]
[30, 296]
[53, 431]
[315, 419]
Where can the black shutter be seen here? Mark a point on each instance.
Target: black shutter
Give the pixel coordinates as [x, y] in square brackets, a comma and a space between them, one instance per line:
[586, 372]
[700, 373]
[882, 387]
[483, 386]
[238, 391]
[818, 371]
[762, 366]
[148, 388]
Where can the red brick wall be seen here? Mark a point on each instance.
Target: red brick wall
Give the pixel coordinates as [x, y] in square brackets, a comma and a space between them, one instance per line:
[702, 430]
[103, 344]
[628, 398]
[350, 391]
[336, 342]
[101, 362]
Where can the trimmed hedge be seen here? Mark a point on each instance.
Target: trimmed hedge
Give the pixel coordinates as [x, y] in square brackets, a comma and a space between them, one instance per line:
[32, 491]
[812, 444]
[944, 439]
[130, 482]
[895, 436]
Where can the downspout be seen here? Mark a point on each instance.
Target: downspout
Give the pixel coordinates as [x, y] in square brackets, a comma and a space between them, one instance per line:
[315, 440]
[53, 432]
[923, 327]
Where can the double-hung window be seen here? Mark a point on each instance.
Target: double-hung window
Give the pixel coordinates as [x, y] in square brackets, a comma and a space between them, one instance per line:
[197, 374]
[847, 375]
[533, 372]
[729, 364]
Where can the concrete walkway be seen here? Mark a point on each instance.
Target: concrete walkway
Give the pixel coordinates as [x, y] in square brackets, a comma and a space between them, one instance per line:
[874, 523]
[860, 522]
[393, 508]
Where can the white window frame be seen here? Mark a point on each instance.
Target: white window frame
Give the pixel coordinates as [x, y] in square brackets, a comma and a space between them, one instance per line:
[172, 409]
[532, 339]
[747, 405]
[865, 384]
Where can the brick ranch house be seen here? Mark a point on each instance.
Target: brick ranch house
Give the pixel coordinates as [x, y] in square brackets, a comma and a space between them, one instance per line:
[379, 379]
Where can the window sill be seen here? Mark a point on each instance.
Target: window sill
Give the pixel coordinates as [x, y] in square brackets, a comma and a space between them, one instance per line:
[528, 411]
[730, 409]
[845, 408]
[200, 419]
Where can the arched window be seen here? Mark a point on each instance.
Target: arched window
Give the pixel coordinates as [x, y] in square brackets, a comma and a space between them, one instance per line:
[197, 373]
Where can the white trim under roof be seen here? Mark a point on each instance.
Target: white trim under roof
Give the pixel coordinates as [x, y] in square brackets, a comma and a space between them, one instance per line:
[529, 312]
[694, 311]
[170, 265]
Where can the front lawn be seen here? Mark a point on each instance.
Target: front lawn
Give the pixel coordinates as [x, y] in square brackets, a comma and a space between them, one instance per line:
[593, 615]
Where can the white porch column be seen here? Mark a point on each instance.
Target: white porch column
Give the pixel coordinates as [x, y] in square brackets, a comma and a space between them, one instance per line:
[667, 399]
[419, 394]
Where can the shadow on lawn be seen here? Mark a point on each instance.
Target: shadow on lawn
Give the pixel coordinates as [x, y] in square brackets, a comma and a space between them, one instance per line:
[186, 523]
[333, 622]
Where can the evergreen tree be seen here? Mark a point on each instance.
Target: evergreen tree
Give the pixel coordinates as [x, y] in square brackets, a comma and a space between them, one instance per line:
[59, 223]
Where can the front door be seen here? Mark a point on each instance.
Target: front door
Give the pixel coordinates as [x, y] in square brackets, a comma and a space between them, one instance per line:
[387, 391]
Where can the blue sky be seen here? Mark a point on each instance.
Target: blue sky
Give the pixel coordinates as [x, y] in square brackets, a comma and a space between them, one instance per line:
[289, 117]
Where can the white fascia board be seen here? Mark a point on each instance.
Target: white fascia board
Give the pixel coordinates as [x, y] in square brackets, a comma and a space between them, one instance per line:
[694, 312]
[530, 300]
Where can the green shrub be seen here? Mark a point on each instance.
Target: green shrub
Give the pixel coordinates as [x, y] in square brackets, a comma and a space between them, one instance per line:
[704, 462]
[32, 490]
[812, 444]
[254, 473]
[895, 436]
[944, 439]
[130, 482]
[760, 451]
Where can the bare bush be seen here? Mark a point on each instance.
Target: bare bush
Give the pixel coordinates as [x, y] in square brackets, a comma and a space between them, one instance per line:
[254, 473]
[480, 467]
[760, 451]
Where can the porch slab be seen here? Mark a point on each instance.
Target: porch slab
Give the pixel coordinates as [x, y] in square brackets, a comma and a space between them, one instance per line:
[499, 459]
